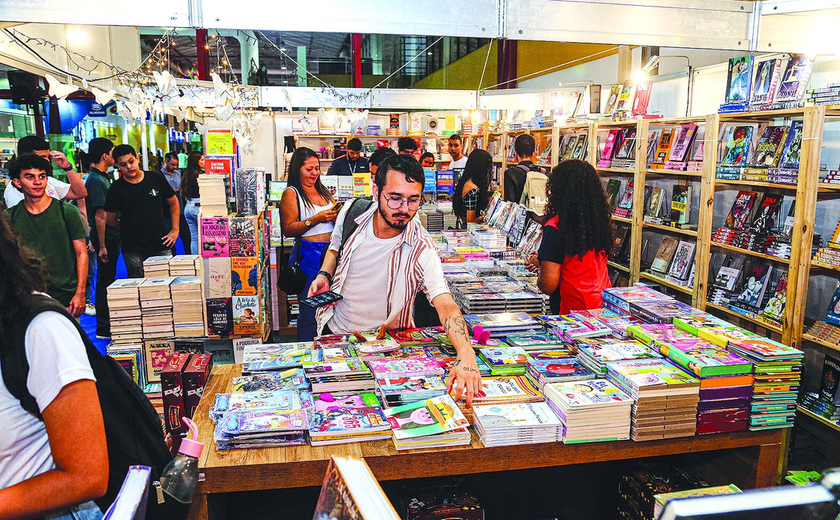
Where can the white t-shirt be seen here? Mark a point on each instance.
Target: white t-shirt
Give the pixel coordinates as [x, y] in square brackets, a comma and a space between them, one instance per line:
[55, 188]
[56, 358]
[368, 287]
[460, 163]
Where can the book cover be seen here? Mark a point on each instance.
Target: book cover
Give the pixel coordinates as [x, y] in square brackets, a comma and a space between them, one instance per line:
[738, 144]
[739, 79]
[610, 147]
[504, 356]
[625, 99]
[768, 151]
[628, 145]
[341, 494]
[243, 275]
[794, 79]
[406, 367]
[741, 209]
[625, 204]
[705, 359]
[664, 147]
[246, 314]
[214, 237]
[586, 393]
[681, 204]
[755, 285]
[657, 199]
[641, 98]
[217, 277]
[156, 353]
[563, 369]
[622, 232]
[765, 80]
[432, 416]
[683, 260]
[580, 148]
[612, 100]
[682, 143]
[775, 308]
[651, 374]
[613, 189]
[219, 317]
[767, 216]
[793, 147]
[652, 145]
[832, 315]
[664, 254]
[243, 236]
[514, 416]
[828, 381]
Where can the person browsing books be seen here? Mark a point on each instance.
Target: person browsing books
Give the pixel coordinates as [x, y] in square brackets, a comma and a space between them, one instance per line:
[577, 239]
[427, 161]
[189, 192]
[459, 160]
[378, 156]
[352, 162]
[407, 146]
[51, 228]
[170, 171]
[56, 464]
[306, 213]
[139, 197]
[56, 189]
[387, 259]
[524, 149]
[473, 189]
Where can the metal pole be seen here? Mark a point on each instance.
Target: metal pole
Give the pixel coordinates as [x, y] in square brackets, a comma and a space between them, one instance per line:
[202, 54]
[356, 57]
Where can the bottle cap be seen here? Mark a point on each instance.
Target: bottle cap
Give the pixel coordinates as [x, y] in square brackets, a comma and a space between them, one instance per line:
[190, 446]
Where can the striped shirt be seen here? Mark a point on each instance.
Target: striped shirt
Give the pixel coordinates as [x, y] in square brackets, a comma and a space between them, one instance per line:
[412, 265]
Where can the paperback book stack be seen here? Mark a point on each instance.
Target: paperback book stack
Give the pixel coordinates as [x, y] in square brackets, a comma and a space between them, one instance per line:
[777, 369]
[596, 356]
[185, 265]
[825, 332]
[512, 424]
[504, 361]
[156, 267]
[725, 378]
[156, 304]
[535, 341]
[723, 288]
[274, 357]
[558, 370]
[591, 410]
[334, 370]
[398, 391]
[351, 418]
[615, 322]
[620, 300]
[187, 306]
[124, 310]
[665, 397]
[280, 399]
[506, 390]
[570, 328]
[261, 428]
[433, 423]
[500, 325]
[211, 190]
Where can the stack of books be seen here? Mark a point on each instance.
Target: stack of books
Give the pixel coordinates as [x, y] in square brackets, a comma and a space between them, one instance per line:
[333, 370]
[663, 498]
[185, 265]
[511, 424]
[156, 304]
[572, 327]
[507, 390]
[557, 370]
[622, 300]
[665, 397]
[404, 367]
[536, 341]
[433, 423]
[824, 403]
[261, 428]
[124, 310]
[642, 481]
[211, 190]
[263, 400]
[398, 391]
[274, 357]
[591, 410]
[352, 418]
[504, 361]
[156, 267]
[595, 357]
[500, 325]
[187, 306]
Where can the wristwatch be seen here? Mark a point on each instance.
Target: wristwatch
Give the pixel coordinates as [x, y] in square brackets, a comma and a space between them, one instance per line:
[308, 222]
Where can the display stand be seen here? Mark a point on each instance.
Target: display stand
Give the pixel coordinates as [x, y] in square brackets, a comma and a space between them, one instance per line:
[749, 459]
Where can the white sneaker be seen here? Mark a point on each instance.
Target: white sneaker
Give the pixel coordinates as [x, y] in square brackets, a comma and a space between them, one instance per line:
[90, 309]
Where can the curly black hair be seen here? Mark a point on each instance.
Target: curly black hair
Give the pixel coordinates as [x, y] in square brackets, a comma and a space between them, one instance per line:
[479, 169]
[20, 276]
[576, 197]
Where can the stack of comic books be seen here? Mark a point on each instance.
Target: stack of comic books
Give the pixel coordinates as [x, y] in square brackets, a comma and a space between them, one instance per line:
[596, 356]
[504, 361]
[558, 370]
[433, 423]
[737, 144]
[351, 418]
[787, 171]
[335, 370]
[511, 424]
[503, 324]
[397, 391]
[591, 410]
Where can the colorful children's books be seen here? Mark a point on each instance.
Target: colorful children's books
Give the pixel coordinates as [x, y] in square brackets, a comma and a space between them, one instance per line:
[286, 380]
[705, 359]
[504, 360]
[407, 367]
[271, 399]
[535, 341]
[508, 389]
[516, 423]
[430, 417]
[349, 418]
[413, 337]
[652, 377]
[596, 357]
[544, 371]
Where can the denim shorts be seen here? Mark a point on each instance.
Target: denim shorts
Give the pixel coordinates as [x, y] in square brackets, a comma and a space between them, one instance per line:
[86, 511]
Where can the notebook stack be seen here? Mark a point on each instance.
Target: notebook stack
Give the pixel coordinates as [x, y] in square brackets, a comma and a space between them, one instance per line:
[398, 391]
[185, 265]
[156, 267]
[725, 378]
[333, 370]
[211, 190]
[156, 304]
[777, 369]
[503, 324]
[187, 306]
[512, 424]
[504, 361]
[433, 423]
[124, 310]
[666, 398]
[596, 356]
[591, 410]
[559, 370]
[352, 418]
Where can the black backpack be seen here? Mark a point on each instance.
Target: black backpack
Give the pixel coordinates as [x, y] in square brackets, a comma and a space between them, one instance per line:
[133, 429]
[357, 207]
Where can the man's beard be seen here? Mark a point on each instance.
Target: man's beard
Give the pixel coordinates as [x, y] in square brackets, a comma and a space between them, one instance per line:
[394, 224]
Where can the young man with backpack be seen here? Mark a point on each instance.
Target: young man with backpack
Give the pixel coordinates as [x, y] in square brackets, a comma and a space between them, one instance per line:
[380, 257]
[51, 228]
[524, 149]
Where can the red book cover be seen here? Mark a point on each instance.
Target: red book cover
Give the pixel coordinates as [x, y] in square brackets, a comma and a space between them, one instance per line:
[642, 98]
[172, 387]
[195, 377]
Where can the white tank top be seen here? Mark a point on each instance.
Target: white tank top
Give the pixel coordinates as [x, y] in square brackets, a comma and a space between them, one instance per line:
[309, 212]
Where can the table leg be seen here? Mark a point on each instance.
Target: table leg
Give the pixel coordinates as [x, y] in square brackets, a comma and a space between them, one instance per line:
[199, 509]
[767, 466]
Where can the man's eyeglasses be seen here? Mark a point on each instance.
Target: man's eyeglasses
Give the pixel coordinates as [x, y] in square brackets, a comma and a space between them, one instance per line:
[397, 202]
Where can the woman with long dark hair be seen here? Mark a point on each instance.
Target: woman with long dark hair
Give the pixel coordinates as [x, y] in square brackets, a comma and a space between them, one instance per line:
[577, 239]
[189, 190]
[306, 214]
[56, 464]
[473, 188]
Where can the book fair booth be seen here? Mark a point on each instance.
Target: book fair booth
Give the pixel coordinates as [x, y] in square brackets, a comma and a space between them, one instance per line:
[710, 368]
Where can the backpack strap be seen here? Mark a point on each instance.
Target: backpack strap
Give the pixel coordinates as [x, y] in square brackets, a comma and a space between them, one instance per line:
[15, 365]
[349, 226]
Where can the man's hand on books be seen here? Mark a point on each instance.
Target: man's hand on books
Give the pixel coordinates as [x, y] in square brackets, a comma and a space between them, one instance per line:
[464, 380]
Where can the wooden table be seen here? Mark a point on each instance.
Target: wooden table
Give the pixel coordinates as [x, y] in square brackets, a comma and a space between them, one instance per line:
[755, 454]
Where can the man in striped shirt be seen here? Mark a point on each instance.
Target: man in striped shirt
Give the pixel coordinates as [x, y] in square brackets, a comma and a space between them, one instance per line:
[387, 260]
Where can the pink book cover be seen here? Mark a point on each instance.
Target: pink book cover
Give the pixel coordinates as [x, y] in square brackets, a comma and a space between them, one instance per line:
[612, 144]
[405, 367]
[214, 237]
[682, 145]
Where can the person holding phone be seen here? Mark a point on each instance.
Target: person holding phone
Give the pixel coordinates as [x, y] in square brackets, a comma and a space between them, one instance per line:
[307, 212]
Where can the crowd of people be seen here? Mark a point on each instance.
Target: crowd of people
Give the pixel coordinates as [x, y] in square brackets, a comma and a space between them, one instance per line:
[63, 239]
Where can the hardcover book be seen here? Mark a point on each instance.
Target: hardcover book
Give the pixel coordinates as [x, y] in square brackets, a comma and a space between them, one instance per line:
[214, 237]
[657, 201]
[243, 275]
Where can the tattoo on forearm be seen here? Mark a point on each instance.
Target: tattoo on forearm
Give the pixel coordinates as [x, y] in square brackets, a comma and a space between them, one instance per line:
[457, 362]
[457, 326]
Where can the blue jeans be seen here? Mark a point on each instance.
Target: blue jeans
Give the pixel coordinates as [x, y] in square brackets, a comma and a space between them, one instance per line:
[310, 254]
[191, 216]
[86, 511]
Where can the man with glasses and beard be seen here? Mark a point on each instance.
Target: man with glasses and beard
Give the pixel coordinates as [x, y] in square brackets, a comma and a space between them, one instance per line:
[382, 265]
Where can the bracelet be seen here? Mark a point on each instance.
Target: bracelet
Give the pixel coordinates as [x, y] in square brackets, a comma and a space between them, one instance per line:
[327, 275]
[67, 169]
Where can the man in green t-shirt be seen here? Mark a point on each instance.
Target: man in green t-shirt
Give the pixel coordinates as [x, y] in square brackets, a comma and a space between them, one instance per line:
[51, 228]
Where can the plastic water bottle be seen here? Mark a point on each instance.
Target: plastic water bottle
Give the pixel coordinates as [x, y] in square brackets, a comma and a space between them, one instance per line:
[181, 474]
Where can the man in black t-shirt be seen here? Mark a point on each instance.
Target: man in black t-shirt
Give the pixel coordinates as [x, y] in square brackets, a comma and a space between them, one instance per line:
[524, 148]
[138, 197]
